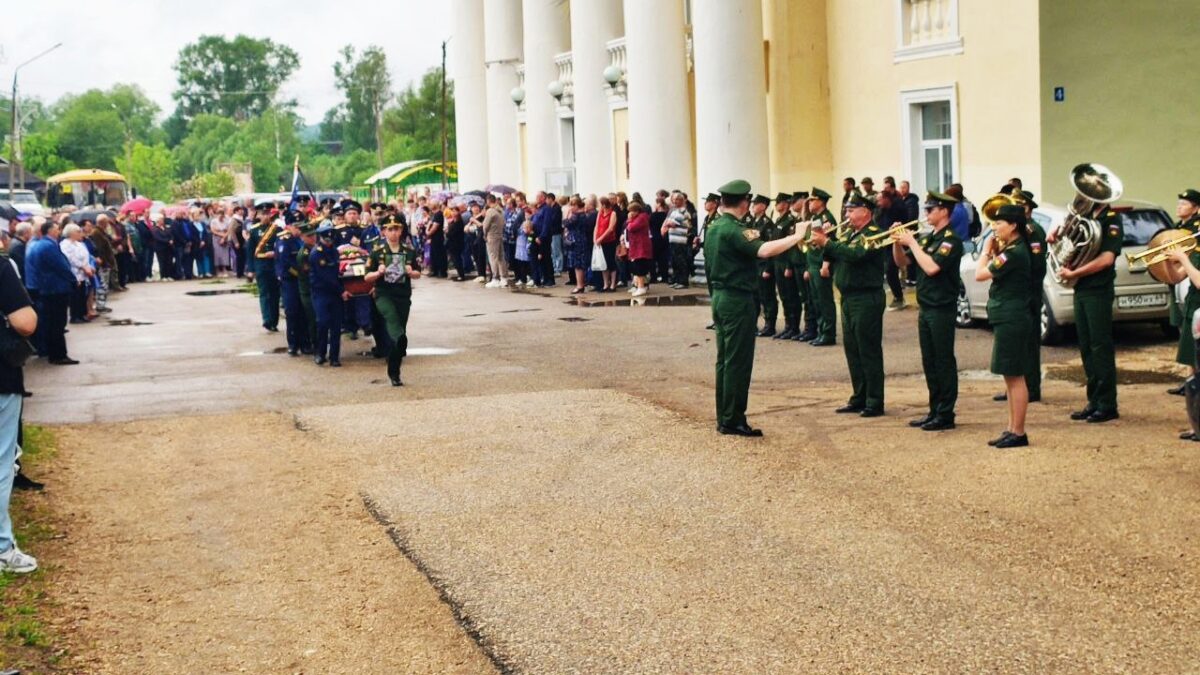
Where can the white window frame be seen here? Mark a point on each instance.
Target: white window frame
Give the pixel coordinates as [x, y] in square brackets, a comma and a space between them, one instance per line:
[949, 47]
[912, 150]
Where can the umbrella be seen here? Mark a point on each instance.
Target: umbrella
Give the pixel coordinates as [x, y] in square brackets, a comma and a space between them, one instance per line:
[475, 193]
[139, 205]
[500, 189]
[91, 214]
[8, 212]
[443, 196]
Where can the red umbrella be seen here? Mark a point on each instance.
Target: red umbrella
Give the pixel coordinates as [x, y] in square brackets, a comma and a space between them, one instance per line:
[139, 205]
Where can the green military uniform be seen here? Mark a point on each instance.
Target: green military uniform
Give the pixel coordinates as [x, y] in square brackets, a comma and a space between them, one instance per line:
[304, 280]
[263, 266]
[730, 263]
[1008, 309]
[858, 275]
[1037, 276]
[937, 297]
[768, 303]
[798, 263]
[1182, 316]
[785, 280]
[1192, 225]
[1093, 320]
[821, 288]
[393, 296]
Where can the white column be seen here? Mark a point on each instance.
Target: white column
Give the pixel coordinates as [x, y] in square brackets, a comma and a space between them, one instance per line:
[470, 97]
[593, 24]
[731, 113]
[502, 49]
[660, 129]
[547, 32]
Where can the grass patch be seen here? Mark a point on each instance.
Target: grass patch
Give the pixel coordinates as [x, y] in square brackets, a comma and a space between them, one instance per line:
[212, 282]
[26, 641]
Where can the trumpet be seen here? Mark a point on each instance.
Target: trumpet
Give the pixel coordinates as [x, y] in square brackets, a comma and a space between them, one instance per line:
[816, 225]
[1160, 253]
[884, 238]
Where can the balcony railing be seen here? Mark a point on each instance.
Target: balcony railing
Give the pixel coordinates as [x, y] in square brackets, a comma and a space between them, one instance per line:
[566, 79]
[618, 62]
[927, 28]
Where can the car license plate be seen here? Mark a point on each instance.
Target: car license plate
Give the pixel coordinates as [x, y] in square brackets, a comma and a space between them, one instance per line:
[1144, 300]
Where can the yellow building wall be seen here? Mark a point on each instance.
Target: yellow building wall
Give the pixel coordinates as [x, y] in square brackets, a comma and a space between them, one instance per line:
[620, 125]
[797, 95]
[1131, 79]
[998, 118]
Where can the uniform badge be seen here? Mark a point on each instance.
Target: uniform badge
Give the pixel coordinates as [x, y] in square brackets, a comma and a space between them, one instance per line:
[945, 247]
[1000, 260]
[1036, 247]
[750, 234]
[1114, 230]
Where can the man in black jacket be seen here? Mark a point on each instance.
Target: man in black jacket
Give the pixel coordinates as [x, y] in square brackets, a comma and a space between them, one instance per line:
[16, 248]
[185, 239]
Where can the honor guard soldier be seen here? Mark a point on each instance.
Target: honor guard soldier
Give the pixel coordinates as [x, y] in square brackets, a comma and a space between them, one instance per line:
[819, 271]
[1093, 303]
[358, 309]
[327, 296]
[1036, 240]
[308, 241]
[393, 265]
[806, 324]
[731, 256]
[785, 282]
[858, 274]
[937, 256]
[712, 205]
[288, 274]
[760, 221]
[1005, 261]
[261, 243]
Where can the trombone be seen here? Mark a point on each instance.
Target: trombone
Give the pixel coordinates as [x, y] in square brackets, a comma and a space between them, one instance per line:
[884, 238]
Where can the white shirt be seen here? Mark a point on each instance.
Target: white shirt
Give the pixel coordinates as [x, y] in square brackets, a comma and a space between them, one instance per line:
[77, 255]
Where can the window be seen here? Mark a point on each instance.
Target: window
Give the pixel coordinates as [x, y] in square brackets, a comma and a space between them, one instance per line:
[925, 29]
[930, 137]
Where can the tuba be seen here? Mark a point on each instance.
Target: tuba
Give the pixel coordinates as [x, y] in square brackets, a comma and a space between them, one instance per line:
[1078, 241]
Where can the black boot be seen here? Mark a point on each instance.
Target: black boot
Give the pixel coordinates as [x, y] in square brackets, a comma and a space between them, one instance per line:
[394, 373]
[767, 330]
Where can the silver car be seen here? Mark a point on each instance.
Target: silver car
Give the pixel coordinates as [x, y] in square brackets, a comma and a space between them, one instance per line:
[1138, 297]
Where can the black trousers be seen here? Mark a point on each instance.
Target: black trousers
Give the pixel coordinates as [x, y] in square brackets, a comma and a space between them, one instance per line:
[52, 323]
[78, 303]
[166, 261]
[893, 279]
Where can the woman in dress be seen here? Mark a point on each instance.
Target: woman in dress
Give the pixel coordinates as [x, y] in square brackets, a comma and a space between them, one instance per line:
[1007, 264]
[605, 237]
[222, 242]
[578, 245]
[641, 247]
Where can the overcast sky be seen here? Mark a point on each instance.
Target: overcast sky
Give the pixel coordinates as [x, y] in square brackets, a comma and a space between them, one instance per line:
[105, 42]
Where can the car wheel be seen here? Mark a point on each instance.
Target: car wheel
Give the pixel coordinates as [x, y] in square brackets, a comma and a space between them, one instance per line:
[962, 316]
[1051, 331]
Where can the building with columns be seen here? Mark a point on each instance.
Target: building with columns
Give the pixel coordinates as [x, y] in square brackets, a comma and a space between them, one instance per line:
[593, 96]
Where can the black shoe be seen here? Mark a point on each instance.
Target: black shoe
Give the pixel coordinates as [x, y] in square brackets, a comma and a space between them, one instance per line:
[272, 329]
[1080, 415]
[1102, 416]
[1000, 397]
[65, 361]
[1034, 398]
[849, 408]
[1177, 391]
[740, 430]
[23, 482]
[319, 360]
[767, 331]
[805, 337]
[307, 351]
[871, 412]
[1185, 436]
[396, 381]
[920, 421]
[1013, 441]
[334, 363]
[938, 424]
[711, 326]
[787, 334]
[293, 352]
[1001, 437]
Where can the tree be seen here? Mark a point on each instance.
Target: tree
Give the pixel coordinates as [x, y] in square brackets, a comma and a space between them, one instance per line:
[150, 169]
[413, 129]
[215, 184]
[236, 78]
[200, 148]
[96, 126]
[41, 155]
[368, 87]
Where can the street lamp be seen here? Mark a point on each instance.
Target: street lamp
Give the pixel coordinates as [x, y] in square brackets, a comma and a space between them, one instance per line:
[16, 141]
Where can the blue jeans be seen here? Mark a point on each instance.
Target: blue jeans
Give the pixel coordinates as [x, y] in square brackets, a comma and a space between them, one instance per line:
[556, 252]
[10, 423]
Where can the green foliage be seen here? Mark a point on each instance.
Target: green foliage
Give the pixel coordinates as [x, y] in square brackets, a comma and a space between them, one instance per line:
[357, 167]
[413, 129]
[215, 184]
[150, 169]
[368, 88]
[93, 127]
[41, 154]
[200, 149]
[235, 78]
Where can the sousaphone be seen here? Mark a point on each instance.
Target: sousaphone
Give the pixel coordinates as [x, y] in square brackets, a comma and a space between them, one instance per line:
[1078, 240]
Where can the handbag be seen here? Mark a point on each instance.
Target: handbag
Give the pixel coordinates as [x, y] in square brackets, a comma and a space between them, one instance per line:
[622, 249]
[15, 350]
[598, 262]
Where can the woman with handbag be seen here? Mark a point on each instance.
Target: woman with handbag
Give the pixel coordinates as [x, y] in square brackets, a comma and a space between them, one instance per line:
[605, 236]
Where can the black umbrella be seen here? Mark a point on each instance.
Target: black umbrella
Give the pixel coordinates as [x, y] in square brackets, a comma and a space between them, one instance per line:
[8, 212]
[500, 189]
[91, 214]
[475, 193]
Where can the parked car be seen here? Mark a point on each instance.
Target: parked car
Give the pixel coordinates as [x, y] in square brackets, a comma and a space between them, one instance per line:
[24, 201]
[1138, 297]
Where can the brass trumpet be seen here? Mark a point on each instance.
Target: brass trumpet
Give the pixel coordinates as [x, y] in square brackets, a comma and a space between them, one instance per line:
[815, 224]
[1157, 258]
[884, 238]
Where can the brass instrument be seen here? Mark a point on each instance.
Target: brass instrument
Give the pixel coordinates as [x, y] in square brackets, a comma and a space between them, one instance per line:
[1157, 256]
[881, 239]
[992, 206]
[266, 240]
[815, 224]
[1078, 239]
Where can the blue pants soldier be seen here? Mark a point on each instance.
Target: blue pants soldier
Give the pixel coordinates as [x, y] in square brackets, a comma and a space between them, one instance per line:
[327, 299]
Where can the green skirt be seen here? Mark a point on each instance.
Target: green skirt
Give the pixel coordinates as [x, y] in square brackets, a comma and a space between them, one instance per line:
[1010, 345]
[1186, 353]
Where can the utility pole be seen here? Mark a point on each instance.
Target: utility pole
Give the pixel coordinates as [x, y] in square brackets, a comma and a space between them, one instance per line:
[445, 147]
[16, 128]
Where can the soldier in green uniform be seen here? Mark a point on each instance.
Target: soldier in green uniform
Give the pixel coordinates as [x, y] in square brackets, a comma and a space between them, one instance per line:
[1093, 317]
[1006, 263]
[768, 303]
[731, 256]
[785, 282]
[393, 265]
[1189, 262]
[1036, 239]
[1187, 210]
[819, 272]
[806, 330]
[262, 269]
[308, 239]
[858, 275]
[937, 256]
[712, 204]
